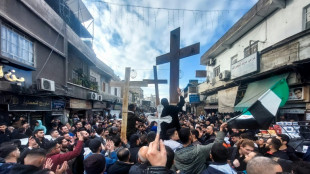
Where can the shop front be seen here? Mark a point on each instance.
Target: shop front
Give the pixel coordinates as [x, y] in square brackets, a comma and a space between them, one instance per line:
[81, 108]
[100, 108]
[33, 108]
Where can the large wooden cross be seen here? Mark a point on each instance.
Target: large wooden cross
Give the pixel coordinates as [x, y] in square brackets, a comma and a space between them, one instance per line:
[156, 81]
[125, 85]
[173, 57]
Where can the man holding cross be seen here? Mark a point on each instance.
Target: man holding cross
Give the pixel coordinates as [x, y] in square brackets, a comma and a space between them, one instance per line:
[173, 111]
[131, 122]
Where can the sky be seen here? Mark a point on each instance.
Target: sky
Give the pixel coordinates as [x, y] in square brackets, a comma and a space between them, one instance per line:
[132, 33]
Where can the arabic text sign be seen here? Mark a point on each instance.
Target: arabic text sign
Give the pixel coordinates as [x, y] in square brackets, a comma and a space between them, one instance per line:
[245, 66]
[27, 103]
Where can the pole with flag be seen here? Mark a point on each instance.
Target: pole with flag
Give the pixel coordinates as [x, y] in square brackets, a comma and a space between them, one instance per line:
[262, 112]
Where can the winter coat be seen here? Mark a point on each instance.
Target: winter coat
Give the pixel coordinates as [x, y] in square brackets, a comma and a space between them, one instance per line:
[192, 159]
[40, 126]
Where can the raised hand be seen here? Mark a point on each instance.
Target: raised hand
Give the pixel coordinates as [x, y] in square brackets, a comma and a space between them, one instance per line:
[223, 126]
[48, 163]
[63, 168]
[156, 153]
[79, 135]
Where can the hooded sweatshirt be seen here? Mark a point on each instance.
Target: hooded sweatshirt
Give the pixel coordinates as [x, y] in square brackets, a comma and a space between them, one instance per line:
[40, 126]
[192, 159]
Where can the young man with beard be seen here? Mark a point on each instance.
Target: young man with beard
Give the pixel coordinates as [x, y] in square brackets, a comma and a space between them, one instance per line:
[210, 136]
[57, 158]
[39, 137]
[290, 151]
[274, 144]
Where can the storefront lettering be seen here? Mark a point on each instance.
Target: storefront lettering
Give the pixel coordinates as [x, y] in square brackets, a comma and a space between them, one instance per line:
[10, 76]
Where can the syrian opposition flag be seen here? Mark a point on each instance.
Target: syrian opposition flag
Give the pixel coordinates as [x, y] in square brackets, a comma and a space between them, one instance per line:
[262, 112]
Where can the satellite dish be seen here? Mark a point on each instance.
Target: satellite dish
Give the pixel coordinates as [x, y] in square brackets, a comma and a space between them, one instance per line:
[133, 74]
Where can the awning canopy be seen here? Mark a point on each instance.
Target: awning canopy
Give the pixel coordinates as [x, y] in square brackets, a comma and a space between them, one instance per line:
[255, 90]
[79, 9]
[227, 98]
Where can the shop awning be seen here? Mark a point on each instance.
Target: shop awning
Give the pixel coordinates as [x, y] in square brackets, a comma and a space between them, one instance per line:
[227, 98]
[255, 90]
[211, 107]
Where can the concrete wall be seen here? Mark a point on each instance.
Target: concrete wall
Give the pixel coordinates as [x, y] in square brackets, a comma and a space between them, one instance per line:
[278, 26]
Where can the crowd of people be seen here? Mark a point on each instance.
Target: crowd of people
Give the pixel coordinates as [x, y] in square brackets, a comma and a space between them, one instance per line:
[190, 144]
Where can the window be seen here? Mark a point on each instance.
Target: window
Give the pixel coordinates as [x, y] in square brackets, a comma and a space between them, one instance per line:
[75, 75]
[307, 17]
[216, 71]
[16, 46]
[92, 79]
[103, 87]
[115, 91]
[251, 49]
[233, 59]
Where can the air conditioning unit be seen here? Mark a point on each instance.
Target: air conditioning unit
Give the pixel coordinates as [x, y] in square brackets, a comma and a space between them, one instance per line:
[92, 96]
[211, 62]
[100, 97]
[225, 75]
[46, 85]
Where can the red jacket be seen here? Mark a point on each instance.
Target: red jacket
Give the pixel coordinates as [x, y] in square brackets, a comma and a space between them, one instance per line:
[58, 159]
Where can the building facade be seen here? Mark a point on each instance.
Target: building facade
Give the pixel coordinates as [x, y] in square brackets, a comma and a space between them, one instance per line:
[269, 42]
[48, 68]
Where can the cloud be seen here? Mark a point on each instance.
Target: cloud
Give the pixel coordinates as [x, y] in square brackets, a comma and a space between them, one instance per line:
[133, 37]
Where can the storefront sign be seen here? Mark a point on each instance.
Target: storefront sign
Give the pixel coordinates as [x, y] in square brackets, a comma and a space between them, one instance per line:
[27, 103]
[79, 104]
[292, 111]
[15, 75]
[194, 98]
[58, 105]
[212, 99]
[117, 107]
[245, 66]
[99, 105]
[296, 93]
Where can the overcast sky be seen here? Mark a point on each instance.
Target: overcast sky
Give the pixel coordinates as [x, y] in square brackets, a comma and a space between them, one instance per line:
[126, 35]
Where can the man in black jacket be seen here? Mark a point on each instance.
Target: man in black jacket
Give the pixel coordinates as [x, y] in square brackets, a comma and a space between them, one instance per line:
[5, 134]
[173, 111]
[131, 121]
[122, 165]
